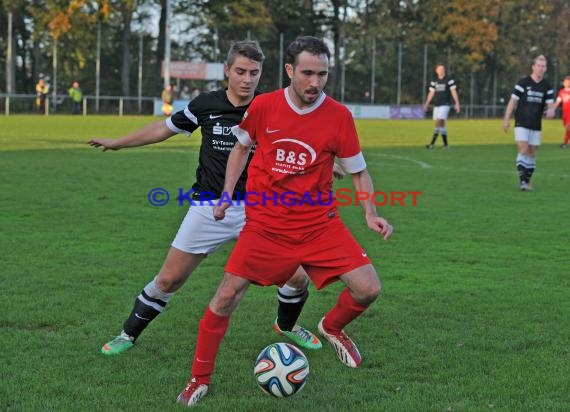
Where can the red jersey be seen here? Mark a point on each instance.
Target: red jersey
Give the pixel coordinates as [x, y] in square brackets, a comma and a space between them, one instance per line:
[289, 185]
[564, 97]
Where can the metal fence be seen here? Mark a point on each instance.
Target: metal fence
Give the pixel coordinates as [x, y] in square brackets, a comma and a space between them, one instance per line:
[91, 105]
[117, 105]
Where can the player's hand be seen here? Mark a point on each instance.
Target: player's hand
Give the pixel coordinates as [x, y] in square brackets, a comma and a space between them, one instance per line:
[506, 125]
[567, 127]
[550, 113]
[106, 144]
[457, 109]
[426, 107]
[220, 210]
[338, 173]
[380, 225]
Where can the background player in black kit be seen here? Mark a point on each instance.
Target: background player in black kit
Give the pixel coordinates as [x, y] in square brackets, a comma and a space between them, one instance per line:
[529, 98]
[215, 112]
[441, 90]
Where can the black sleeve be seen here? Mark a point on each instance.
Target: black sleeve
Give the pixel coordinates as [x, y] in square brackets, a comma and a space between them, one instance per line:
[186, 121]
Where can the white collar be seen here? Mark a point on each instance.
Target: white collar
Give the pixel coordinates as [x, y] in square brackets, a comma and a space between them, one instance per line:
[306, 110]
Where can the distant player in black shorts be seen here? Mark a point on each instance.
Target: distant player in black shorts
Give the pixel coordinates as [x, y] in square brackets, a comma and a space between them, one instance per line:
[441, 90]
[529, 98]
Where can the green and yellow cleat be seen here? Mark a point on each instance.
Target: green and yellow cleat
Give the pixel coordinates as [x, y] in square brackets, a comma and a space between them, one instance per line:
[300, 336]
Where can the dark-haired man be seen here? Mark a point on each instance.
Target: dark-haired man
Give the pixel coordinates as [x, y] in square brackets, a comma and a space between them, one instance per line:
[297, 131]
[199, 234]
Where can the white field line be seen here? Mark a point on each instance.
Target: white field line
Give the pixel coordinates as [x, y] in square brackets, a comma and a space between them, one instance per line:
[418, 163]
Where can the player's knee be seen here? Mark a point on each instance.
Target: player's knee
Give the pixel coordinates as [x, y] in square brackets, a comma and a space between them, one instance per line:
[169, 282]
[298, 281]
[225, 300]
[372, 294]
[369, 294]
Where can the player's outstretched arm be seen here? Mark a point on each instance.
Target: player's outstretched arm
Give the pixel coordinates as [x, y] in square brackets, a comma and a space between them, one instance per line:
[234, 168]
[508, 112]
[551, 111]
[456, 100]
[363, 184]
[151, 133]
[428, 100]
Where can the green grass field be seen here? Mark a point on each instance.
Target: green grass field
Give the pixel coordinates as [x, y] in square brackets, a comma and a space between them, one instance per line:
[476, 293]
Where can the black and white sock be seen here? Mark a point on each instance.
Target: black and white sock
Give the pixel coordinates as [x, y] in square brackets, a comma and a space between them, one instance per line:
[149, 303]
[522, 167]
[435, 134]
[531, 160]
[443, 131]
[291, 302]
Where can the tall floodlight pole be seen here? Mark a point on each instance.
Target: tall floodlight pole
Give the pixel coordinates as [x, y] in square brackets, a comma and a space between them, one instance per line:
[399, 73]
[424, 83]
[167, 44]
[9, 57]
[216, 38]
[471, 92]
[98, 65]
[342, 69]
[280, 80]
[140, 71]
[373, 74]
[9, 65]
[54, 67]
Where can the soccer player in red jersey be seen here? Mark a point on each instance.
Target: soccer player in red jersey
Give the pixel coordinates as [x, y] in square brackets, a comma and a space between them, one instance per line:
[564, 100]
[293, 219]
[199, 234]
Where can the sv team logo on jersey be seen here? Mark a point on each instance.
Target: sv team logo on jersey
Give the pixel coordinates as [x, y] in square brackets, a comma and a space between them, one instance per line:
[221, 130]
[293, 156]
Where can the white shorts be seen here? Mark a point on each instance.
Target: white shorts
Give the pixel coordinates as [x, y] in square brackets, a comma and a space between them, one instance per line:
[440, 112]
[531, 137]
[201, 233]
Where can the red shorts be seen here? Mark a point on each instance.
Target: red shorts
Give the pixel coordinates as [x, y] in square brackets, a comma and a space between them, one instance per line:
[267, 258]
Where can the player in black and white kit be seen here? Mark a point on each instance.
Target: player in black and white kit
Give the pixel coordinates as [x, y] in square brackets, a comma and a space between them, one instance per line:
[199, 235]
[441, 90]
[530, 97]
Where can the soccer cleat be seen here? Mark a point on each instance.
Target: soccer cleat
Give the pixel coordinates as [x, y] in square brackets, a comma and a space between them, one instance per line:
[525, 186]
[445, 147]
[429, 146]
[192, 393]
[301, 336]
[563, 146]
[118, 345]
[345, 348]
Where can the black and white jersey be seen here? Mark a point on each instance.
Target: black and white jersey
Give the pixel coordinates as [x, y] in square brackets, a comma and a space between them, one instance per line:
[216, 115]
[532, 97]
[442, 89]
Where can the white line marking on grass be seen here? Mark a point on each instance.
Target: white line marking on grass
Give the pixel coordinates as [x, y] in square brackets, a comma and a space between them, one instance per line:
[498, 172]
[421, 164]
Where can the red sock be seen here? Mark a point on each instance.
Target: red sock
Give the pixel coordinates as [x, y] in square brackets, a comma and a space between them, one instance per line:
[344, 312]
[567, 137]
[210, 334]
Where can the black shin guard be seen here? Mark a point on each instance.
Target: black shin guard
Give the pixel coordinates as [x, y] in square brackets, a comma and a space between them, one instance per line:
[142, 314]
[289, 309]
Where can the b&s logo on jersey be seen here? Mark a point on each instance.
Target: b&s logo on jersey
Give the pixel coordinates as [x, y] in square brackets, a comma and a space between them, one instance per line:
[292, 156]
